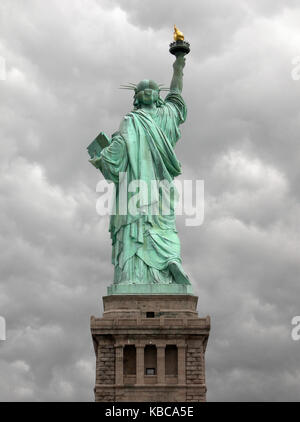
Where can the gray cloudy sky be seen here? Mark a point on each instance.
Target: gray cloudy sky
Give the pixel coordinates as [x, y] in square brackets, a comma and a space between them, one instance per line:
[64, 63]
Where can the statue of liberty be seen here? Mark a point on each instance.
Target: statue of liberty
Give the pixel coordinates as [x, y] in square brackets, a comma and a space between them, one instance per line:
[145, 244]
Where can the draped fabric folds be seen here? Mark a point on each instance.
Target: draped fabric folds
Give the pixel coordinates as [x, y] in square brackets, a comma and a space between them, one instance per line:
[145, 243]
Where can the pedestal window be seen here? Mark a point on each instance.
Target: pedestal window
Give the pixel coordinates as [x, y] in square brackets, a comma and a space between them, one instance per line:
[150, 360]
[171, 360]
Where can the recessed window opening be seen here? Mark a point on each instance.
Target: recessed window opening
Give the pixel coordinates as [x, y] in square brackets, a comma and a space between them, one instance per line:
[150, 360]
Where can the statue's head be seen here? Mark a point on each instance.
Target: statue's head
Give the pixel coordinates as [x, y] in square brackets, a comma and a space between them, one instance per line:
[147, 92]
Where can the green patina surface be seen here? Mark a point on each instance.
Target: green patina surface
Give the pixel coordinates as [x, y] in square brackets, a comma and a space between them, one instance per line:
[149, 289]
[145, 244]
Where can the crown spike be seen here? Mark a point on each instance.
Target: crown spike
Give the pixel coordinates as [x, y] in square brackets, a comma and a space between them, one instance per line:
[127, 87]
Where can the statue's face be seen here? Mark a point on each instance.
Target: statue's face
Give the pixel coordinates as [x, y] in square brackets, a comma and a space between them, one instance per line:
[147, 92]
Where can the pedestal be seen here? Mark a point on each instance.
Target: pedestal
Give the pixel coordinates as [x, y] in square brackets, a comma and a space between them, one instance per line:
[150, 348]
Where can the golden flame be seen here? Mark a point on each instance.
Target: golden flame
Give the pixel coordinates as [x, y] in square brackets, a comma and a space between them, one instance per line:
[178, 36]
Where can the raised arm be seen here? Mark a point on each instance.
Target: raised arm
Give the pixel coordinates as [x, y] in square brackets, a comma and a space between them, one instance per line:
[177, 80]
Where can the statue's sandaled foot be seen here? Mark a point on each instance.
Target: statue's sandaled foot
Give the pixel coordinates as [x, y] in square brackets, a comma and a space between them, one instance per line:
[178, 274]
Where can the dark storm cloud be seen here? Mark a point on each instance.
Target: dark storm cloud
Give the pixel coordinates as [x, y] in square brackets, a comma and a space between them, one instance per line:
[65, 61]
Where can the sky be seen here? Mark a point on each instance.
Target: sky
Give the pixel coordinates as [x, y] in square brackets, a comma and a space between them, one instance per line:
[64, 62]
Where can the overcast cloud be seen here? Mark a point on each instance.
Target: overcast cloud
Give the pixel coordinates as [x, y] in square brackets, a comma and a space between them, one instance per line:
[64, 63]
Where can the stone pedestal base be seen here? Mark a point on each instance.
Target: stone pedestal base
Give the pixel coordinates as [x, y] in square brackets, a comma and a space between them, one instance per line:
[150, 348]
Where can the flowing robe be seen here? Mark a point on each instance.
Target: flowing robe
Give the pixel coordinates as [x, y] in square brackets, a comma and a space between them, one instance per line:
[145, 243]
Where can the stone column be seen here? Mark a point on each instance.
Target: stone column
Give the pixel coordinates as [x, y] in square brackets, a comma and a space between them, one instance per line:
[119, 364]
[181, 364]
[140, 367]
[161, 371]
